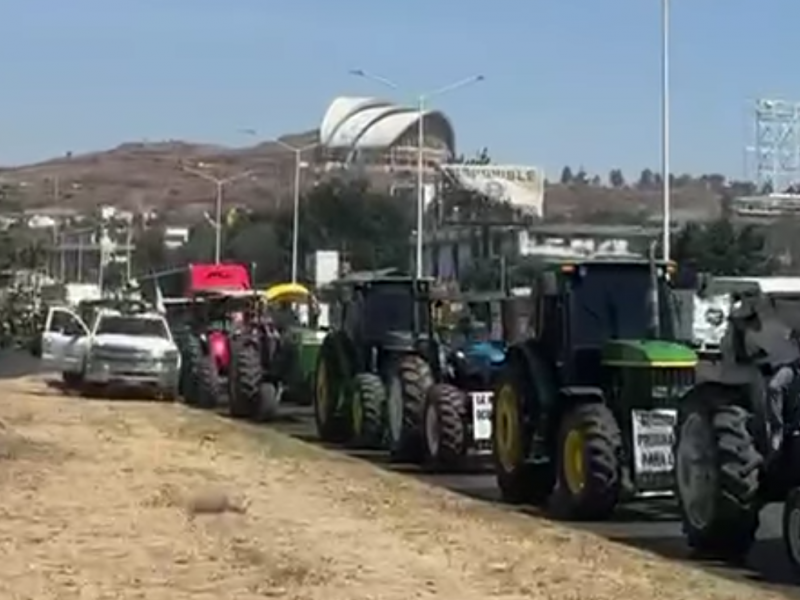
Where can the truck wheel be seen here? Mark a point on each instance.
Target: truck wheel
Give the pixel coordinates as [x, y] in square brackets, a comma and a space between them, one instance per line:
[519, 481]
[445, 442]
[71, 379]
[589, 465]
[717, 477]
[409, 382]
[367, 407]
[246, 377]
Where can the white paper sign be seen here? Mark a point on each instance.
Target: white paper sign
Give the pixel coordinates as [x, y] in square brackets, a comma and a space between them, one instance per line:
[654, 439]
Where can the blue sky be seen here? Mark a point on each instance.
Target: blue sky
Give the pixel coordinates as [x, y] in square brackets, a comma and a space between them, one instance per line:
[567, 81]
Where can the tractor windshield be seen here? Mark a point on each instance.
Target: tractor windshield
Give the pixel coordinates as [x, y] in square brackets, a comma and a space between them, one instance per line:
[390, 307]
[613, 302]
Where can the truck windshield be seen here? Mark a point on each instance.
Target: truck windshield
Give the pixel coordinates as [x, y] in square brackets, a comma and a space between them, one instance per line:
[612, 302]
[120, 325]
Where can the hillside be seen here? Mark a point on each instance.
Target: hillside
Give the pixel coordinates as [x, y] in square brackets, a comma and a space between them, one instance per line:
[149, 175]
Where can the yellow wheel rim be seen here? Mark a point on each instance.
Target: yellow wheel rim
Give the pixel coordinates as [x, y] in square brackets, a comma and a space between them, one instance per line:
[573, 463]
[321, 391]
[508, 442]
[357, 414]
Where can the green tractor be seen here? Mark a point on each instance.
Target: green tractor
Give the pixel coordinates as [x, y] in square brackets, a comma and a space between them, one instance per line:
[586, 406]
[375, 368]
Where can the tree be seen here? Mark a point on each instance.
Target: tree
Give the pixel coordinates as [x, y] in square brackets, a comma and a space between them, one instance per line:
[566, 176]
[720, 248]
[616, 179]
[646, 180]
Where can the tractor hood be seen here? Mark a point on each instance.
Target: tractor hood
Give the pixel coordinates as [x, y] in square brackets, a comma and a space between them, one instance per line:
[648, 353]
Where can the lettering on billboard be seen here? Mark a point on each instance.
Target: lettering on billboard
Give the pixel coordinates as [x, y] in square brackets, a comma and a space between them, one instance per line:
[521, 187]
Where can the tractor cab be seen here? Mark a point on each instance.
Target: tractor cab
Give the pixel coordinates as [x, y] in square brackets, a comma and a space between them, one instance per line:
[592, 316]
[592, 394]
[391, 313]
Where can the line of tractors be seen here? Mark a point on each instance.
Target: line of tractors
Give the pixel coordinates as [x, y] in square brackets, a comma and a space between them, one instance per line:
[589, 400]
[241, 347]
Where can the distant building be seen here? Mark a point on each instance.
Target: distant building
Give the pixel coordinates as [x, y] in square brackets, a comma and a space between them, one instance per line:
[379, 140]
[451, 250]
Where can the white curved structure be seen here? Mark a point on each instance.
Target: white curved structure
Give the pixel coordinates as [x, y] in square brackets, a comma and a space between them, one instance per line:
[356, 124]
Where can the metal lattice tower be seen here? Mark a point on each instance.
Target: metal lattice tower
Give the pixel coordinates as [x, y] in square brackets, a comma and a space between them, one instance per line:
[777, 149]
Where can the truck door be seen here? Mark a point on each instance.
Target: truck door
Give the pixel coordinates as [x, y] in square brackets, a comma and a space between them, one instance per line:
[62, 331]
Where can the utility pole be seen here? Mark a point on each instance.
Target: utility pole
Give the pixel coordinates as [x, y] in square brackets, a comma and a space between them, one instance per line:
[422, 102]
[220, 184]
[298, 167]
[665, 128]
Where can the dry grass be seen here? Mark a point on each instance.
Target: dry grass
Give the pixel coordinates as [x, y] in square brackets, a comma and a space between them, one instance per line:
[98, 503]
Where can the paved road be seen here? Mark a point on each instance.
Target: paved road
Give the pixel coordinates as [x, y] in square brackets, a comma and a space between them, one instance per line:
[651, 526]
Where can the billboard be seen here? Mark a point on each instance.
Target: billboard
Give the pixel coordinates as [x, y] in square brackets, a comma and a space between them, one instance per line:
[522, 187]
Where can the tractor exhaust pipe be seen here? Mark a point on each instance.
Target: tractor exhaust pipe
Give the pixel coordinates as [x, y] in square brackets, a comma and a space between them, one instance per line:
[655, 305]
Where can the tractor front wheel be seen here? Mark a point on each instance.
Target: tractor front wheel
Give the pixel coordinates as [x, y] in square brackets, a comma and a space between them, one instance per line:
[330, 394]
[245, 375]
[519, 480]
[445, 435]
[589, 463]
[367, 407]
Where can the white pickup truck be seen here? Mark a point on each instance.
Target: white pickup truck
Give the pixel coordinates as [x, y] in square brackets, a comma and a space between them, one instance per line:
[116, 349]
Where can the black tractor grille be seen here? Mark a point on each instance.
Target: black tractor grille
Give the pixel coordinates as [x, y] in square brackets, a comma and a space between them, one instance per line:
[668, 384]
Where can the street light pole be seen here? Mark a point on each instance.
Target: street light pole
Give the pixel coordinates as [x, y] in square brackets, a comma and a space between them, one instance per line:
[422, 102]
[220, 183]
[665, 127]
[298, 166]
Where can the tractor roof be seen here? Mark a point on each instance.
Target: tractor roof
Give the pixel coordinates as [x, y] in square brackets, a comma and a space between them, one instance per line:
[606, 260]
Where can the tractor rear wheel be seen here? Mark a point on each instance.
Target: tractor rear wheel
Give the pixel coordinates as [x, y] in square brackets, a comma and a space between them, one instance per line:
[331, 381]
[519, 480]
[245, 378]
[589, 461]
[717, 475]
[367, 408]
[445, 440]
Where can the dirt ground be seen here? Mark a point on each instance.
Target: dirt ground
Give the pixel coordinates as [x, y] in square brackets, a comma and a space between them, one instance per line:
[107, 500]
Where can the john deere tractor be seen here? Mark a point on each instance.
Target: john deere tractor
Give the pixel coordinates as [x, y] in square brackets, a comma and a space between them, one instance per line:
[586, 405]
[382, 379]
[374, 369]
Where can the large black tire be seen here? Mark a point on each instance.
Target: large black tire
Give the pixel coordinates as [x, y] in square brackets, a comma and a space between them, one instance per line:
[367, 409]
[191, 356]
[791, 529]
[331, 390]
[410, 380]
[444, 428]
[520, 481]
[725, 525]
[246, 377]
[209, 389]
[589, 433]
[72, 379]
